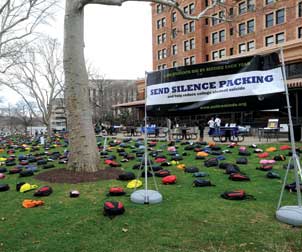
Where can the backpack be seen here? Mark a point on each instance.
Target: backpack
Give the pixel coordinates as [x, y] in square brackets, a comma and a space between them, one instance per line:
[43, 191]
[18, 186]
[191, 169]
[162, 173]
[156, 168]
[292, 187]
[279, 158]
[113, 208]
[4, 187]
[265, 167]
[171, 179]
[239, 177]
[3, 170]
[211, 162]
[116, 191]
[126, 176]
[202, 183]
[242, 160]
[15, 170]
[26, 173]
[42, 162]
[200, 174]
[48, 166]
[74, 194]
[232, 169]
[273, 175]
[244, 153]
[236, 195]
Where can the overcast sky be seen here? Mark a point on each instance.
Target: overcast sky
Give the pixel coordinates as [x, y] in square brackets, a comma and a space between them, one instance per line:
[118, 40]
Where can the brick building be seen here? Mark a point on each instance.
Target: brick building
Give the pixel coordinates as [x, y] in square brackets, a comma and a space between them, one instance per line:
[252, 27]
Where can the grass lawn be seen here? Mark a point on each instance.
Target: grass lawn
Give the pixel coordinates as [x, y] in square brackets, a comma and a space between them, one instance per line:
[188, 219]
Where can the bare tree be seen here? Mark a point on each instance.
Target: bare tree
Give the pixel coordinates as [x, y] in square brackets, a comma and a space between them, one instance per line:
[18, 21]
[38, 77]
[84, 155]
[23, 111]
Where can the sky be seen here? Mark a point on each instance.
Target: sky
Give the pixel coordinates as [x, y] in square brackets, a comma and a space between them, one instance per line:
[118, 41]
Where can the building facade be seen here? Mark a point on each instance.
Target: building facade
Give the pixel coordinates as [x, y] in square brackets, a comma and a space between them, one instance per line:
[105, 94]
[234, 28]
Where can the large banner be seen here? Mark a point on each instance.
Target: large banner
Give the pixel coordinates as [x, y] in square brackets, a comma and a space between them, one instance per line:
[240, 84]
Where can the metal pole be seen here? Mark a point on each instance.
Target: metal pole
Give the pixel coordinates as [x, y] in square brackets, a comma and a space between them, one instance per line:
[291, 130]
[145, 143]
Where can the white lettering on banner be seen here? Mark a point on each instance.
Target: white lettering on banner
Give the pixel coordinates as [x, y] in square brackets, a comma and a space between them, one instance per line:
[218, 87]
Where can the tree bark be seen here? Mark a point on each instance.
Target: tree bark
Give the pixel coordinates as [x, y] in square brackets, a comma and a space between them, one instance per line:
[83, 155]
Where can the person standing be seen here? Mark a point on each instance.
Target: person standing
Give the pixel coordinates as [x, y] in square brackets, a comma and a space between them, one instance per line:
[211, 125]
[217, 122]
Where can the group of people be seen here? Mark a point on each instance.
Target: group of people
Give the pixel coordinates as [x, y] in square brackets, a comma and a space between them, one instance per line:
[214, 122]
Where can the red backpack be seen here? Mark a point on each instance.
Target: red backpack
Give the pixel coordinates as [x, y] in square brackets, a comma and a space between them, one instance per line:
[116, 191]
[236, 195]
[113, 208]
[171, 179]
[239, 177]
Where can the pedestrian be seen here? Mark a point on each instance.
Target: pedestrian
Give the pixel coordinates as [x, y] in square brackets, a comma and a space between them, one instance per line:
[211, 124]
[217, 121]
[200, 129]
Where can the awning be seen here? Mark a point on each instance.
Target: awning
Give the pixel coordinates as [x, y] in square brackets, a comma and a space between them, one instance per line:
[140, 103]
[294, 83]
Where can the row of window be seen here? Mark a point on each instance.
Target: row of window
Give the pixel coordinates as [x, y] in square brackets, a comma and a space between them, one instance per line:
[188, 45]
[186, 61]
[188, 9]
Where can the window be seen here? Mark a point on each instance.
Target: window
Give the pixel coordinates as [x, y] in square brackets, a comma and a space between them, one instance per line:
[161, 23]
[231, 12]
[164, 53]
[250, 45]
[191, 8]
[231, 51]
[269, 40]
[192, 43]
[215, 55]
[207, 57]
[300, 9]
[207, 39]
[215, 20]
[206, 3]
[241, 29]
[160, 8]
[192, 59]
[231, 31]
[280, 38]
[280, 16]
[251, 26]
[242, 8]
[206, 21]
[269, 1]
[186, 28]
[192, 26]
[161, 54]
[242, 48]
[186, 9]
[174, 49]
[222, 35]
[221, 53]
[174, 64]
[174, 17]
[215, 39]
[294, 70]
[250, 5]
[300, 32]
[164, 37]
[186, 45]
[187, 61]
[174, 33]
[161, 38]
[221, 16]
[269, 20]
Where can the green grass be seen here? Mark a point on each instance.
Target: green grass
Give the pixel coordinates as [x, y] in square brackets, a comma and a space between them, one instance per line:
[188, 219]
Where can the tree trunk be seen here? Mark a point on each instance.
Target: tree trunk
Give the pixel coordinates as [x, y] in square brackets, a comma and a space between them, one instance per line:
[84, 155]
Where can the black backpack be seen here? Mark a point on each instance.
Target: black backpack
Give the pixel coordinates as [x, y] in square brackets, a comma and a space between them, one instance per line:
[239, 177]
[43, 191]
[4, 187]
[126, 176]
[191, 169]
[26, 173]
[211, 162]
[292, 187]
[113, 208]
[236, 195]
[279, 158]
[273, 175]
[232, 169]
[3, 170]
[18, 186]
[162, 173]
[202, 183]
[242, 160]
